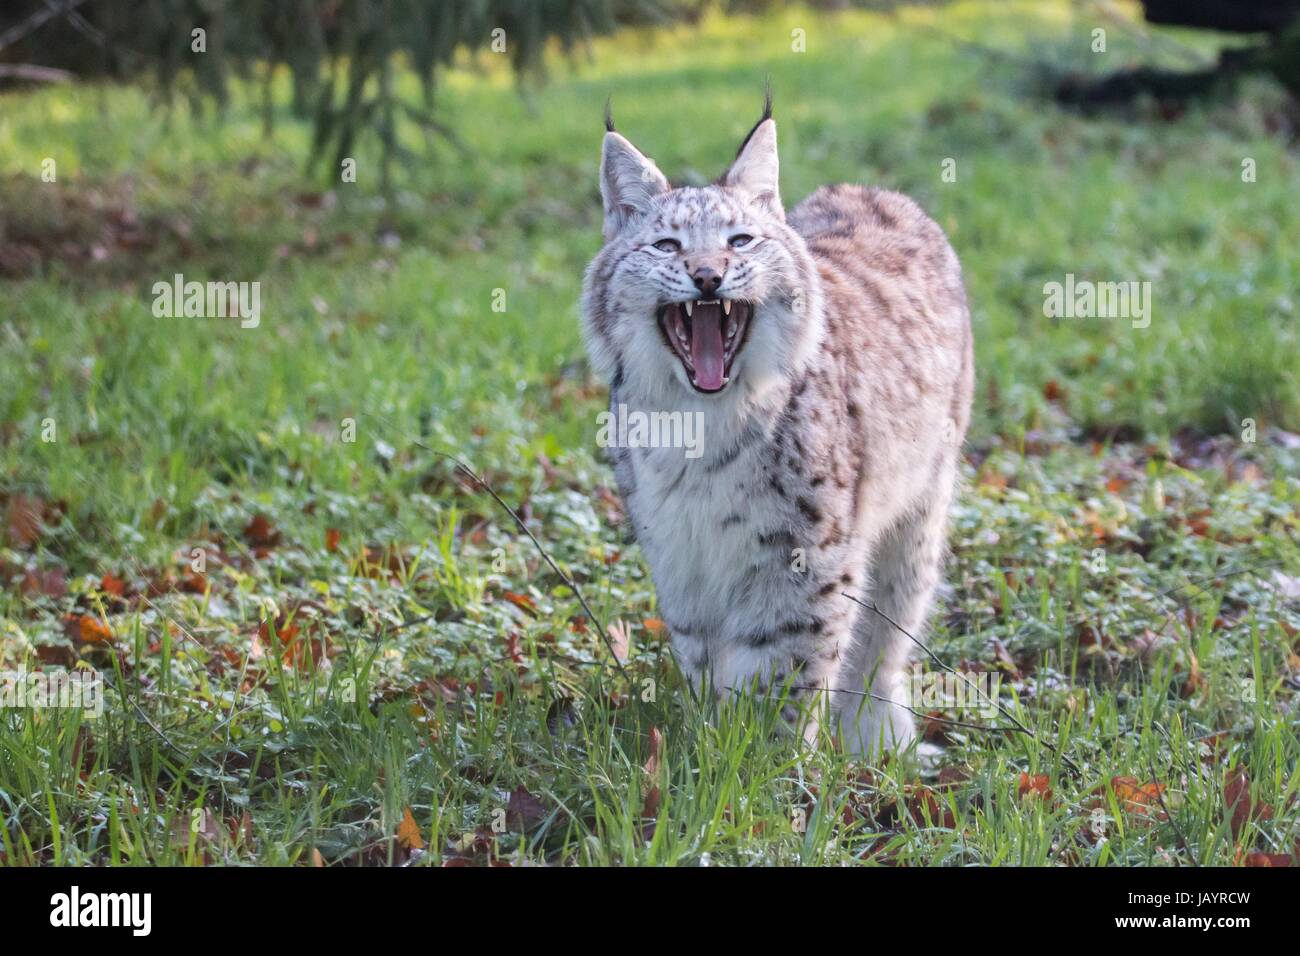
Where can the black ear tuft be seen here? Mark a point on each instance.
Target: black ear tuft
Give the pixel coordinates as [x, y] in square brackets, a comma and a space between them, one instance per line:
[609, 113]
[767, 114]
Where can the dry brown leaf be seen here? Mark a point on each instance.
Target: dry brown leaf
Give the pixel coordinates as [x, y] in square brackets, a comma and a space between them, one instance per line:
[26, 515]
[260, 533]
[1237, 799]
[656, 744]
[524, 811]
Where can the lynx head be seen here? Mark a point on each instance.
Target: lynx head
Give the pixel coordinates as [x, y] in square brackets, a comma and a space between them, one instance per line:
[703, 289]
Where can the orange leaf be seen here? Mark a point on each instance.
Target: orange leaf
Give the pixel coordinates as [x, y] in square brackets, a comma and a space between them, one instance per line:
[992, 479]
[1037, 785]
[408, 832]
[521, 601]
[332, 536]
[110, 584]
[90, 630]
[1266, 859]
[1138, 798]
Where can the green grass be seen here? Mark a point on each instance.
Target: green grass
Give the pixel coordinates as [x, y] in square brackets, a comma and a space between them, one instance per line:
[499, 721]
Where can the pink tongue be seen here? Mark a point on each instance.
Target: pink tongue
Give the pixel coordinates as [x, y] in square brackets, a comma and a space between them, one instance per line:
[706, 346]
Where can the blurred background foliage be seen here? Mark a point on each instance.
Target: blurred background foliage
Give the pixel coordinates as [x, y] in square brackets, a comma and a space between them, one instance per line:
[342, 54]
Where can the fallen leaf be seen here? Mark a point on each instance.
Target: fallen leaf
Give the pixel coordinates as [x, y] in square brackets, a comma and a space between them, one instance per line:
[1089, 636]
[953, 776]
[1195, 679]
[1237, 799]
[656, 743]
[521, 601]
[620, 639]
[260, 533]
[524, 811]
[110, 584]
[1035, 785]
[332, 536]
[1256, 858]
[89, 629]
[934, 728]
[50, 582]
[1142, 800]
[512, 648]
[989, 478]
[926, 809]
[408, 832]
[25, 516]
[60, 655]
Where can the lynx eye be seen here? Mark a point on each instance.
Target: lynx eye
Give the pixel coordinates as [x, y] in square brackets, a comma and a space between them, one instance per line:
[740, 240]
[668, 245]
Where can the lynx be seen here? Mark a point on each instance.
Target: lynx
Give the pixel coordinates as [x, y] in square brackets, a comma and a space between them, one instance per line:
[829, 353]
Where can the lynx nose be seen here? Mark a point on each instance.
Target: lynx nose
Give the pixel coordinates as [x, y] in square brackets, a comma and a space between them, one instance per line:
[707, 281]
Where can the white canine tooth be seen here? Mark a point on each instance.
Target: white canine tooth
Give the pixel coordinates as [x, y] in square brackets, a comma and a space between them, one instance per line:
[687, 306]
[726, 306]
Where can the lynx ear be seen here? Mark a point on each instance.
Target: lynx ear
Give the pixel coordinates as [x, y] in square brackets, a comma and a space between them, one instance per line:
[756, 170]
[628, 182]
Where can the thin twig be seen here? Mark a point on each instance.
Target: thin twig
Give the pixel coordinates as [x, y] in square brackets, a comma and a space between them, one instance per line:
[33, 73]
[568, 581]
[35, 22]
[1178, 831]
[1065, 758]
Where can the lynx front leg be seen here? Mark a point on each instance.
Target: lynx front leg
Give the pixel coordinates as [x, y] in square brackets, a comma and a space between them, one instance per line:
[803, 662]
[906, 569]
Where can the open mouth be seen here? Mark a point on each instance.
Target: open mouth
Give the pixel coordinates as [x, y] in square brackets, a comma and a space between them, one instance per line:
[706, 335]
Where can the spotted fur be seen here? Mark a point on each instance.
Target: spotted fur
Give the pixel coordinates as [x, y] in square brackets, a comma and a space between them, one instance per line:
[829, 460]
